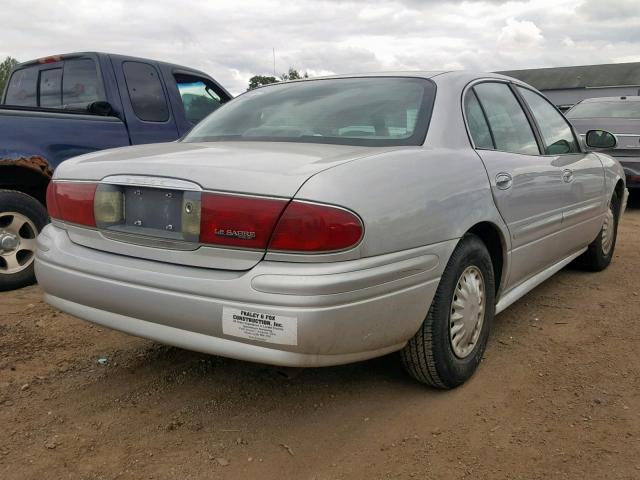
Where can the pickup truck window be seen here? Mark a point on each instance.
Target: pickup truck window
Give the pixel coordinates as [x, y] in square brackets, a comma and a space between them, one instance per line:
[51, 88]
[80, 84]
[145, 90]
[22, 88]
[198, 96]
[72, 84]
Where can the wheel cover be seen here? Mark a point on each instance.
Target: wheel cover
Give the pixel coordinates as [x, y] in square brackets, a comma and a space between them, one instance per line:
[608, 230]
[467, 312]
[17, 242]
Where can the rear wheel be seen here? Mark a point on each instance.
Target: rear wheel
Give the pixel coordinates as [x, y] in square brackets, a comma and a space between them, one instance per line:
[447, 349]
[600, 252]
[21, 219]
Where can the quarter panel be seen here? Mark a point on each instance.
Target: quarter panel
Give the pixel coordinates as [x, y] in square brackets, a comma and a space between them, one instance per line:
[410, 197]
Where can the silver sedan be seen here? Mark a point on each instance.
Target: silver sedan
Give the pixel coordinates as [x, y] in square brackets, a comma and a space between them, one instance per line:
[334, 220]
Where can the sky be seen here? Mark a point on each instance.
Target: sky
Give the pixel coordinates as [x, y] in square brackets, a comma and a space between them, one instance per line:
[234, 40]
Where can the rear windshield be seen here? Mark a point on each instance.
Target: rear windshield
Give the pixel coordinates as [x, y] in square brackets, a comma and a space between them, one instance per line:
[349, 111]
[71, 85]
[617, 109]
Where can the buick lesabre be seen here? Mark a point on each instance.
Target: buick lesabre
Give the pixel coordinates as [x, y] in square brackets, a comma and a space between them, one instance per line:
[333, 220]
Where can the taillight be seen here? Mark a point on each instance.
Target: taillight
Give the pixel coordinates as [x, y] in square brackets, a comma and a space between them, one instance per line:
[312, 227]
[72, 202]
[52, 204]
[238, 221]
[50, 59]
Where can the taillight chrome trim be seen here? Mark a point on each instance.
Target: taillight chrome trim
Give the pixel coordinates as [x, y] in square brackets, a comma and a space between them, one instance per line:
[152, 182]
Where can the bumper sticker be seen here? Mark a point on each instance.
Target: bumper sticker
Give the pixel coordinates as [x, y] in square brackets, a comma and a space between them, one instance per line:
[260, 326]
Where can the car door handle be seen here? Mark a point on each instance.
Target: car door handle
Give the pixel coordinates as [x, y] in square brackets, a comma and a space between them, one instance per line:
[567, 176]
[503, 181]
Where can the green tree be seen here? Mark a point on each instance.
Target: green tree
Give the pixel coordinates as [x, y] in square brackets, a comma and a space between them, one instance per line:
[293, 74]
[6, 66]
[259, 80]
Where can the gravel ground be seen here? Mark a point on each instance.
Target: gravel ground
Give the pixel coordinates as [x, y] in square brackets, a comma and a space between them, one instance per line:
[557, 396]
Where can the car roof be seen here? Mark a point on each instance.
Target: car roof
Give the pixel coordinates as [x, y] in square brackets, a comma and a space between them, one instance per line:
[624, 98]
[437, 75]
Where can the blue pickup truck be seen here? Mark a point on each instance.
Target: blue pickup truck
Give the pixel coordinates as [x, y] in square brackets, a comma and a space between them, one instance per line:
[61, 106]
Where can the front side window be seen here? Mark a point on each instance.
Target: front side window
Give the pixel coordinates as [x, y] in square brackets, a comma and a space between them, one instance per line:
[23, 87]
[80, 84]
[51, 88]
[377, 111]
[508, 122]
[199, 97]
[477, 122]
[145, 91]
[556, 133]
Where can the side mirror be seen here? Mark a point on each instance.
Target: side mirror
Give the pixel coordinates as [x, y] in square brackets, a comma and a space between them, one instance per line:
[101, 108]
[600, 139]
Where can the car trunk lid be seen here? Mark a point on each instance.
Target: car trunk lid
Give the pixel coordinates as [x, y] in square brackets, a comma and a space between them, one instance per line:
[157, 184]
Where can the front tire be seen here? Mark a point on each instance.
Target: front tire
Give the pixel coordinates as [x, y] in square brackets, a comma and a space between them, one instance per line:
[447, 349]
[600, 252]
[22, 217]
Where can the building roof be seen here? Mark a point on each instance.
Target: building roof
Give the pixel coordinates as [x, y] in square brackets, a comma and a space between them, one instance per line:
[583, 76]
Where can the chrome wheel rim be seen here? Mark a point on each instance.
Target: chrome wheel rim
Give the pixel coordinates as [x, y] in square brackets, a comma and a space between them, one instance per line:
[467, 312]
[608, 230]
[17, 242]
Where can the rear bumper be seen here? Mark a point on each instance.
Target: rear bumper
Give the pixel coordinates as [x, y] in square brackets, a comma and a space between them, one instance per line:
[333, 313]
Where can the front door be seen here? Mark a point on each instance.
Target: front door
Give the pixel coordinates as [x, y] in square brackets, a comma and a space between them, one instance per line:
[582, 173]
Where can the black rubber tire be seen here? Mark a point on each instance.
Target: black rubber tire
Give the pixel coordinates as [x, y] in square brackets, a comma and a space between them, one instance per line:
[428, 356]
[594, 258]
[13, 201]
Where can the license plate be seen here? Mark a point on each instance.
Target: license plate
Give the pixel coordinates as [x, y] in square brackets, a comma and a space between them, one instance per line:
[153, 209]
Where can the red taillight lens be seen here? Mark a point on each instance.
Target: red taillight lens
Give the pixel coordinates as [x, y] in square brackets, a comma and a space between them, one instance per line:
[52, 204]
[72, 202]
[311, 227]
[237, 221]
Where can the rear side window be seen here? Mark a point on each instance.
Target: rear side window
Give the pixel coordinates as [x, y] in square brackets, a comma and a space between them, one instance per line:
[22, 88]
[556, 133]
[80, 84]
[477, 122]
[511, 129]
[51, 88]
[145, 91]
[199, 96]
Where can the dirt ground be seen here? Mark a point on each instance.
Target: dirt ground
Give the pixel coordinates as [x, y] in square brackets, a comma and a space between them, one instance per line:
[557, 396]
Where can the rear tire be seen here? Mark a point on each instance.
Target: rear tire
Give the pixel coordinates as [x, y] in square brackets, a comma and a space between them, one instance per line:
[444, 354]
[600, 252]
[22, 217]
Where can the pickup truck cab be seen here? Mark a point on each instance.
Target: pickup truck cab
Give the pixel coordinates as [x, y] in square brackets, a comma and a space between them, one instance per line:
[61, 106]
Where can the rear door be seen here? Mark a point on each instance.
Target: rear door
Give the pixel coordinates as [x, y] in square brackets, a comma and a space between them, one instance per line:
[582, 172]
[527, 186]
[144, 99]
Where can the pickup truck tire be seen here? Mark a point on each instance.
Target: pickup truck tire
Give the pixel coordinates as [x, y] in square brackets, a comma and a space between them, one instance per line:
[22, 217]
[446, 350]
[600, 252]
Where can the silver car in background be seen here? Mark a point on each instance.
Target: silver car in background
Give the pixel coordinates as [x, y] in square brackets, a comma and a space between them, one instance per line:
[333, 220]
[621, 117]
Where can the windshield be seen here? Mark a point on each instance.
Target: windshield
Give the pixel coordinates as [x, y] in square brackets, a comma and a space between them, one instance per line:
[616, 109]
[349, 111]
